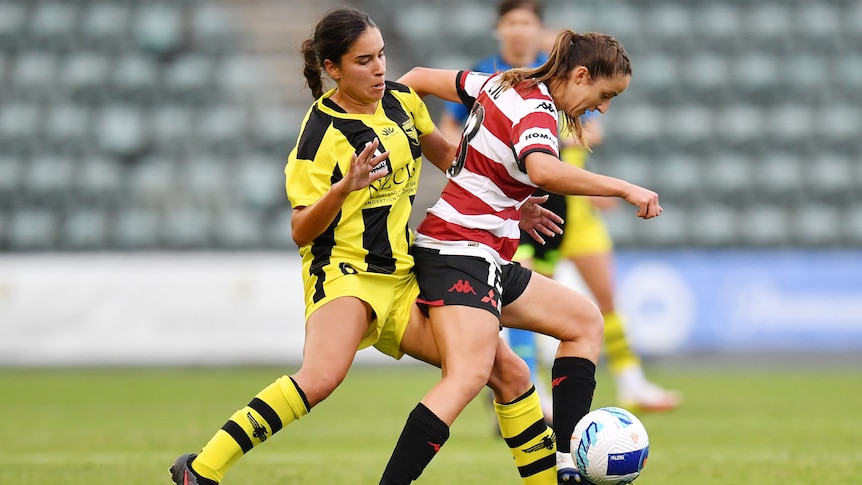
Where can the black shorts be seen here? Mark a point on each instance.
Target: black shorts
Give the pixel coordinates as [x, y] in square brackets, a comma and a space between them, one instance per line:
[557, 204]
[446, 279]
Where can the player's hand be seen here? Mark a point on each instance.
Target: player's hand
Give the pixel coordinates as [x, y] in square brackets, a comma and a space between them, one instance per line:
[360, 174]
[535, 219]
[645, 200]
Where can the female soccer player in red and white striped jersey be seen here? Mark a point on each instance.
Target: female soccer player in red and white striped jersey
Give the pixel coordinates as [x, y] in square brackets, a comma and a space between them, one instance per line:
[464, 247]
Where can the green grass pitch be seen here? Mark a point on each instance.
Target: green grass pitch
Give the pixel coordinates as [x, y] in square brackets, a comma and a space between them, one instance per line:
[108, 426]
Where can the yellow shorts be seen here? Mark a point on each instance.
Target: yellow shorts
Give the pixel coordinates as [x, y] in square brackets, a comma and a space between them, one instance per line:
[585, 232]
[391, 297]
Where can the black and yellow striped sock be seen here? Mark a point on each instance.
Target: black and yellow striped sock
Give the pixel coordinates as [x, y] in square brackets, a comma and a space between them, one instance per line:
[530, 440]
[273, 408]
[617, 349]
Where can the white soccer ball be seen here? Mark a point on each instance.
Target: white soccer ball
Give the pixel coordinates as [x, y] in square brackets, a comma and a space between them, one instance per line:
[610, 446]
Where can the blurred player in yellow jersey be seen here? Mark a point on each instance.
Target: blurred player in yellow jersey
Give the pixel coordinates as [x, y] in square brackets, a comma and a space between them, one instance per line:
[588, 245]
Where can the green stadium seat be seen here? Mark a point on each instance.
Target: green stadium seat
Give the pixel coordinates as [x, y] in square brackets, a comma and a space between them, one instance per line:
[52, 24]
[712, 224]
[816, 225]
[157, 28]
[85, 228]
[136, 228]
[189, 72]
[728, 175]
[100, 180]
[261, 182]
[153, 181]
[12, 24]
[34, 72]
[119, 130]
[172, 127]
[206, 178]
[135, 77]
[11, 175]
[104, 26]
[68, 124]
[186, 227]
[84, 76]
[764, 225]
[238, 229]
[278, 232]
[32, 229]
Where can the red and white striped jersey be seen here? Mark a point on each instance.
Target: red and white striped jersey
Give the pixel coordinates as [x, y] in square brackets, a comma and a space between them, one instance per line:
[488, 183]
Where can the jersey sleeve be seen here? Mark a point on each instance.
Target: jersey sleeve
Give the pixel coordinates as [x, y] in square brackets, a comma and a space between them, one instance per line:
[421, 117]
[469, 84]
[535, 128]
[307, 180]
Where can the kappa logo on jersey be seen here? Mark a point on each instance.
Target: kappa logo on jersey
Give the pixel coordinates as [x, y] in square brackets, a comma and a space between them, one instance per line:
[490, 299]
[462, 286]
[388, 131]
[549, 107]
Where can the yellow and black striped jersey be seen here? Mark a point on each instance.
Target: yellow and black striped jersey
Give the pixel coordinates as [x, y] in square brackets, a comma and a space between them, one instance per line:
[371, 232]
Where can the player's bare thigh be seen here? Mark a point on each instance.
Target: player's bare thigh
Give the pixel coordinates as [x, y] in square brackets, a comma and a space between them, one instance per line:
[553, 309]
[332, 334]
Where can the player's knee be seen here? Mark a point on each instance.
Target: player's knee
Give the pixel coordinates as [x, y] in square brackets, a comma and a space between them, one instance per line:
[594, 324]
[591, 326]
[585, 324]
[510, 376]
[319, 386]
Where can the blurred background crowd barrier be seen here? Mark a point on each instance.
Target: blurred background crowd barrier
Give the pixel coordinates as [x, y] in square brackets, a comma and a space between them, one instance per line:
[150, 126]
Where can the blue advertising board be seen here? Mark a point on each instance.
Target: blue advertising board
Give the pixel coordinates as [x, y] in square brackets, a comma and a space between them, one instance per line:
[688, 301]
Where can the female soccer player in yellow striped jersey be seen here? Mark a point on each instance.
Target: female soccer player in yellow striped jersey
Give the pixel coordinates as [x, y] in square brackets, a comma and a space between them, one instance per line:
[351, 180]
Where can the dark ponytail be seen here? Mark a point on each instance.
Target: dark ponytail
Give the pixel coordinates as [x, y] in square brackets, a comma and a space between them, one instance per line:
[333, 36]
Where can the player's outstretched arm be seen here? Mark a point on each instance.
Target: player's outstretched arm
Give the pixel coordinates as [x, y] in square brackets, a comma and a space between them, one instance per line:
[436, 82]
[547, 172]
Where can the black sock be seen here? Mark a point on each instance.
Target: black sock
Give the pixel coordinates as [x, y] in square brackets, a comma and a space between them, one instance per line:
[421, 439]
[573, 381]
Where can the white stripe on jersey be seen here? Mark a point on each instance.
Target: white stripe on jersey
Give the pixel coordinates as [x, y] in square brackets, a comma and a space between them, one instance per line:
[478, 185]
[536, 135]
[500, 152]
[487, 222]
[461, 248]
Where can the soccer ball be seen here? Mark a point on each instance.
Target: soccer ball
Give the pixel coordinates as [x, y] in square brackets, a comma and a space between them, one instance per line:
[610, 446]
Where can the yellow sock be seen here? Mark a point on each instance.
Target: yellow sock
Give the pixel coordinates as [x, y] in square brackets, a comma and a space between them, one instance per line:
[530, 440]
[273, 408]
[617, 349]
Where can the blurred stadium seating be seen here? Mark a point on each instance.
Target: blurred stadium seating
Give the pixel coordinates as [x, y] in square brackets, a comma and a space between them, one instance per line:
[164, 124]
